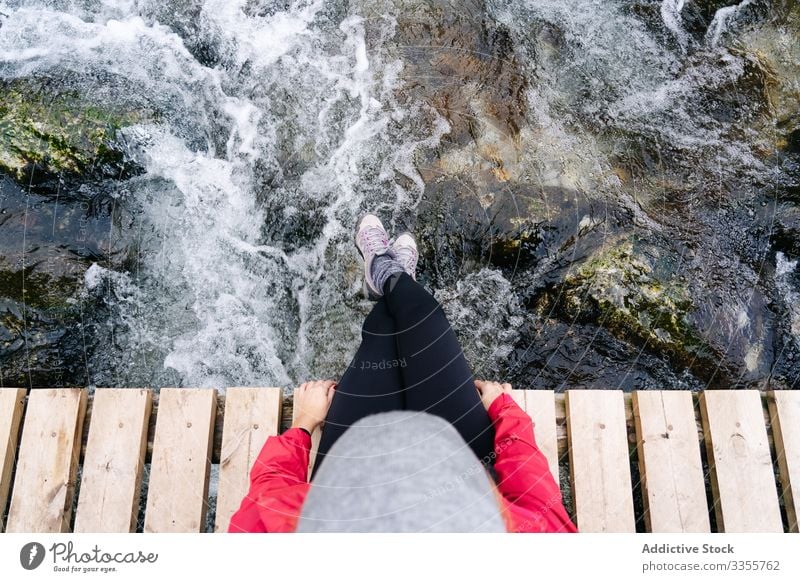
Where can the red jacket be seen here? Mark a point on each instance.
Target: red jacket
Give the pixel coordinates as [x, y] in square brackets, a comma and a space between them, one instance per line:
[529, 497]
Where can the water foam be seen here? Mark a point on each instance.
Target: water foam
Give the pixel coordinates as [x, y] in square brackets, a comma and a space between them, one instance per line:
[299, 120]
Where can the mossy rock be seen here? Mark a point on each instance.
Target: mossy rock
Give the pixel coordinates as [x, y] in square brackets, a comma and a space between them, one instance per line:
[46, 132]
[635, 298]
[37, 290]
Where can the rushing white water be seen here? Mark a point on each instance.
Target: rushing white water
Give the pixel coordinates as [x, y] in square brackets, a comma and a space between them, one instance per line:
[299, 111]
[722, 19]
[269, 127]
[671, 13]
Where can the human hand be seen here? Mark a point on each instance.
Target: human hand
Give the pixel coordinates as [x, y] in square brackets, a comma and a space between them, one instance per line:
[311, 403]
[489, 391]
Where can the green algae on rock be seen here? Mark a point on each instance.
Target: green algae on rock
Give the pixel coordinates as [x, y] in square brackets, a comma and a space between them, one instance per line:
[59, 131]
[623, 290]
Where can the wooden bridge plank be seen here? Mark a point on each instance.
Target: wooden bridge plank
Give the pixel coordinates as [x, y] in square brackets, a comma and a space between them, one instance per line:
[112, 467]
[315, 436]
[177, 497]
[599, 461]
[251, 415]
[742, 477]
[48, 461]
[12, 402]
[784, 408]
[670, 465]
[541, 407]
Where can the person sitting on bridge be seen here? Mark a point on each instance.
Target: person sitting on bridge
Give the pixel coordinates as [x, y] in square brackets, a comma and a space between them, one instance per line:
[411, 442]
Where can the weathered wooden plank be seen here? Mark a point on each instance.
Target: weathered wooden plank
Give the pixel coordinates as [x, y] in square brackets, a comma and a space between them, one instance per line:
[112, 468]
[12, 402]
[315, 436]
[48, 461]
[742, 477]
[177, 497]
[251, 415]
[599, 461]
[670, 465]
[784, 407]
[541, 407]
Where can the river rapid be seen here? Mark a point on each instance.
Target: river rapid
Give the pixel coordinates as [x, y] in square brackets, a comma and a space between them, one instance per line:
[605, 193]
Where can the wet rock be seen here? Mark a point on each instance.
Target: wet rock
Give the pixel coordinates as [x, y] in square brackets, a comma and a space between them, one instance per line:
[49, 131]
[558, 354]
[40, 335]
[184, 17]
[773, 48]
[785, 237]
[513, 227]
[635, 298]
[46, 244]
[464, 66]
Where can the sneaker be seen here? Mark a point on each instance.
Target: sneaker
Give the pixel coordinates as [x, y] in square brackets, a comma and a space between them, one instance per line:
[371, 241]
[405, 253]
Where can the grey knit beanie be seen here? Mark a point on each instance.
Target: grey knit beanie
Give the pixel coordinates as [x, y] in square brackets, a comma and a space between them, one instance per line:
[401, 471]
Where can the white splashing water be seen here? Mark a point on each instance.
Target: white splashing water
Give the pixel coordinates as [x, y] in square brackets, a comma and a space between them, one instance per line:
[629, 78]
[484, 305]
[263, 160]
[721, 21]
[671, 15]
[299, 116]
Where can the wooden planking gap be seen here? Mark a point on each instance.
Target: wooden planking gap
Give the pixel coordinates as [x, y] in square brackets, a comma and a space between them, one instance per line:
[177, 497]
[48, 461]
[315, 436]
[599, 461]
[251, 415]
[541, 407]
[745, 495]
[12, 403]
[112, 468]
[784, 409]
[670, 464]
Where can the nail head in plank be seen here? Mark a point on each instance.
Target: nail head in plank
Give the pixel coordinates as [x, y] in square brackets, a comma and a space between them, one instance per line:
[599, 461]
[670, 465]
[784, 408]
[12, 402]
[742, 477]
[112, 467]
[48, 461]
[315, 436]
[177, 497]
[251, 415]
[541, 407]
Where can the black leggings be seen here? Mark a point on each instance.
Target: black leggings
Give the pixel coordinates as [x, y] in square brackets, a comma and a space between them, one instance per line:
[409, 359]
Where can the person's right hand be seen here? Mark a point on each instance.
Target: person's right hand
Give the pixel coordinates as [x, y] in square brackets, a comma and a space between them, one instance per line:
[312, 401]
[489, 391]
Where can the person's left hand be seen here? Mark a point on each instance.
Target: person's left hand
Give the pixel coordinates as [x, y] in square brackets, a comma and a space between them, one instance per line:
[312, 401]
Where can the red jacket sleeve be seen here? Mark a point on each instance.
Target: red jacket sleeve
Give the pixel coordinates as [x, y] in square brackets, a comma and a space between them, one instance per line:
[532, 496]
[278, 485]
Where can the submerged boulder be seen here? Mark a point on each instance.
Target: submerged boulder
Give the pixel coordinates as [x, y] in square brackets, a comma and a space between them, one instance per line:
[775, 49]
[624, 290]
[46, 131]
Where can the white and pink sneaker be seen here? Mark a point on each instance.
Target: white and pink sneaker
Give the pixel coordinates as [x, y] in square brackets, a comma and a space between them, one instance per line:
[405, 252]
[371, 241]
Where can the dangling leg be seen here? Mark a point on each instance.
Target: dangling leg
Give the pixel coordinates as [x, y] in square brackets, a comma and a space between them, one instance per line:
[435, 372]
[372, 382]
